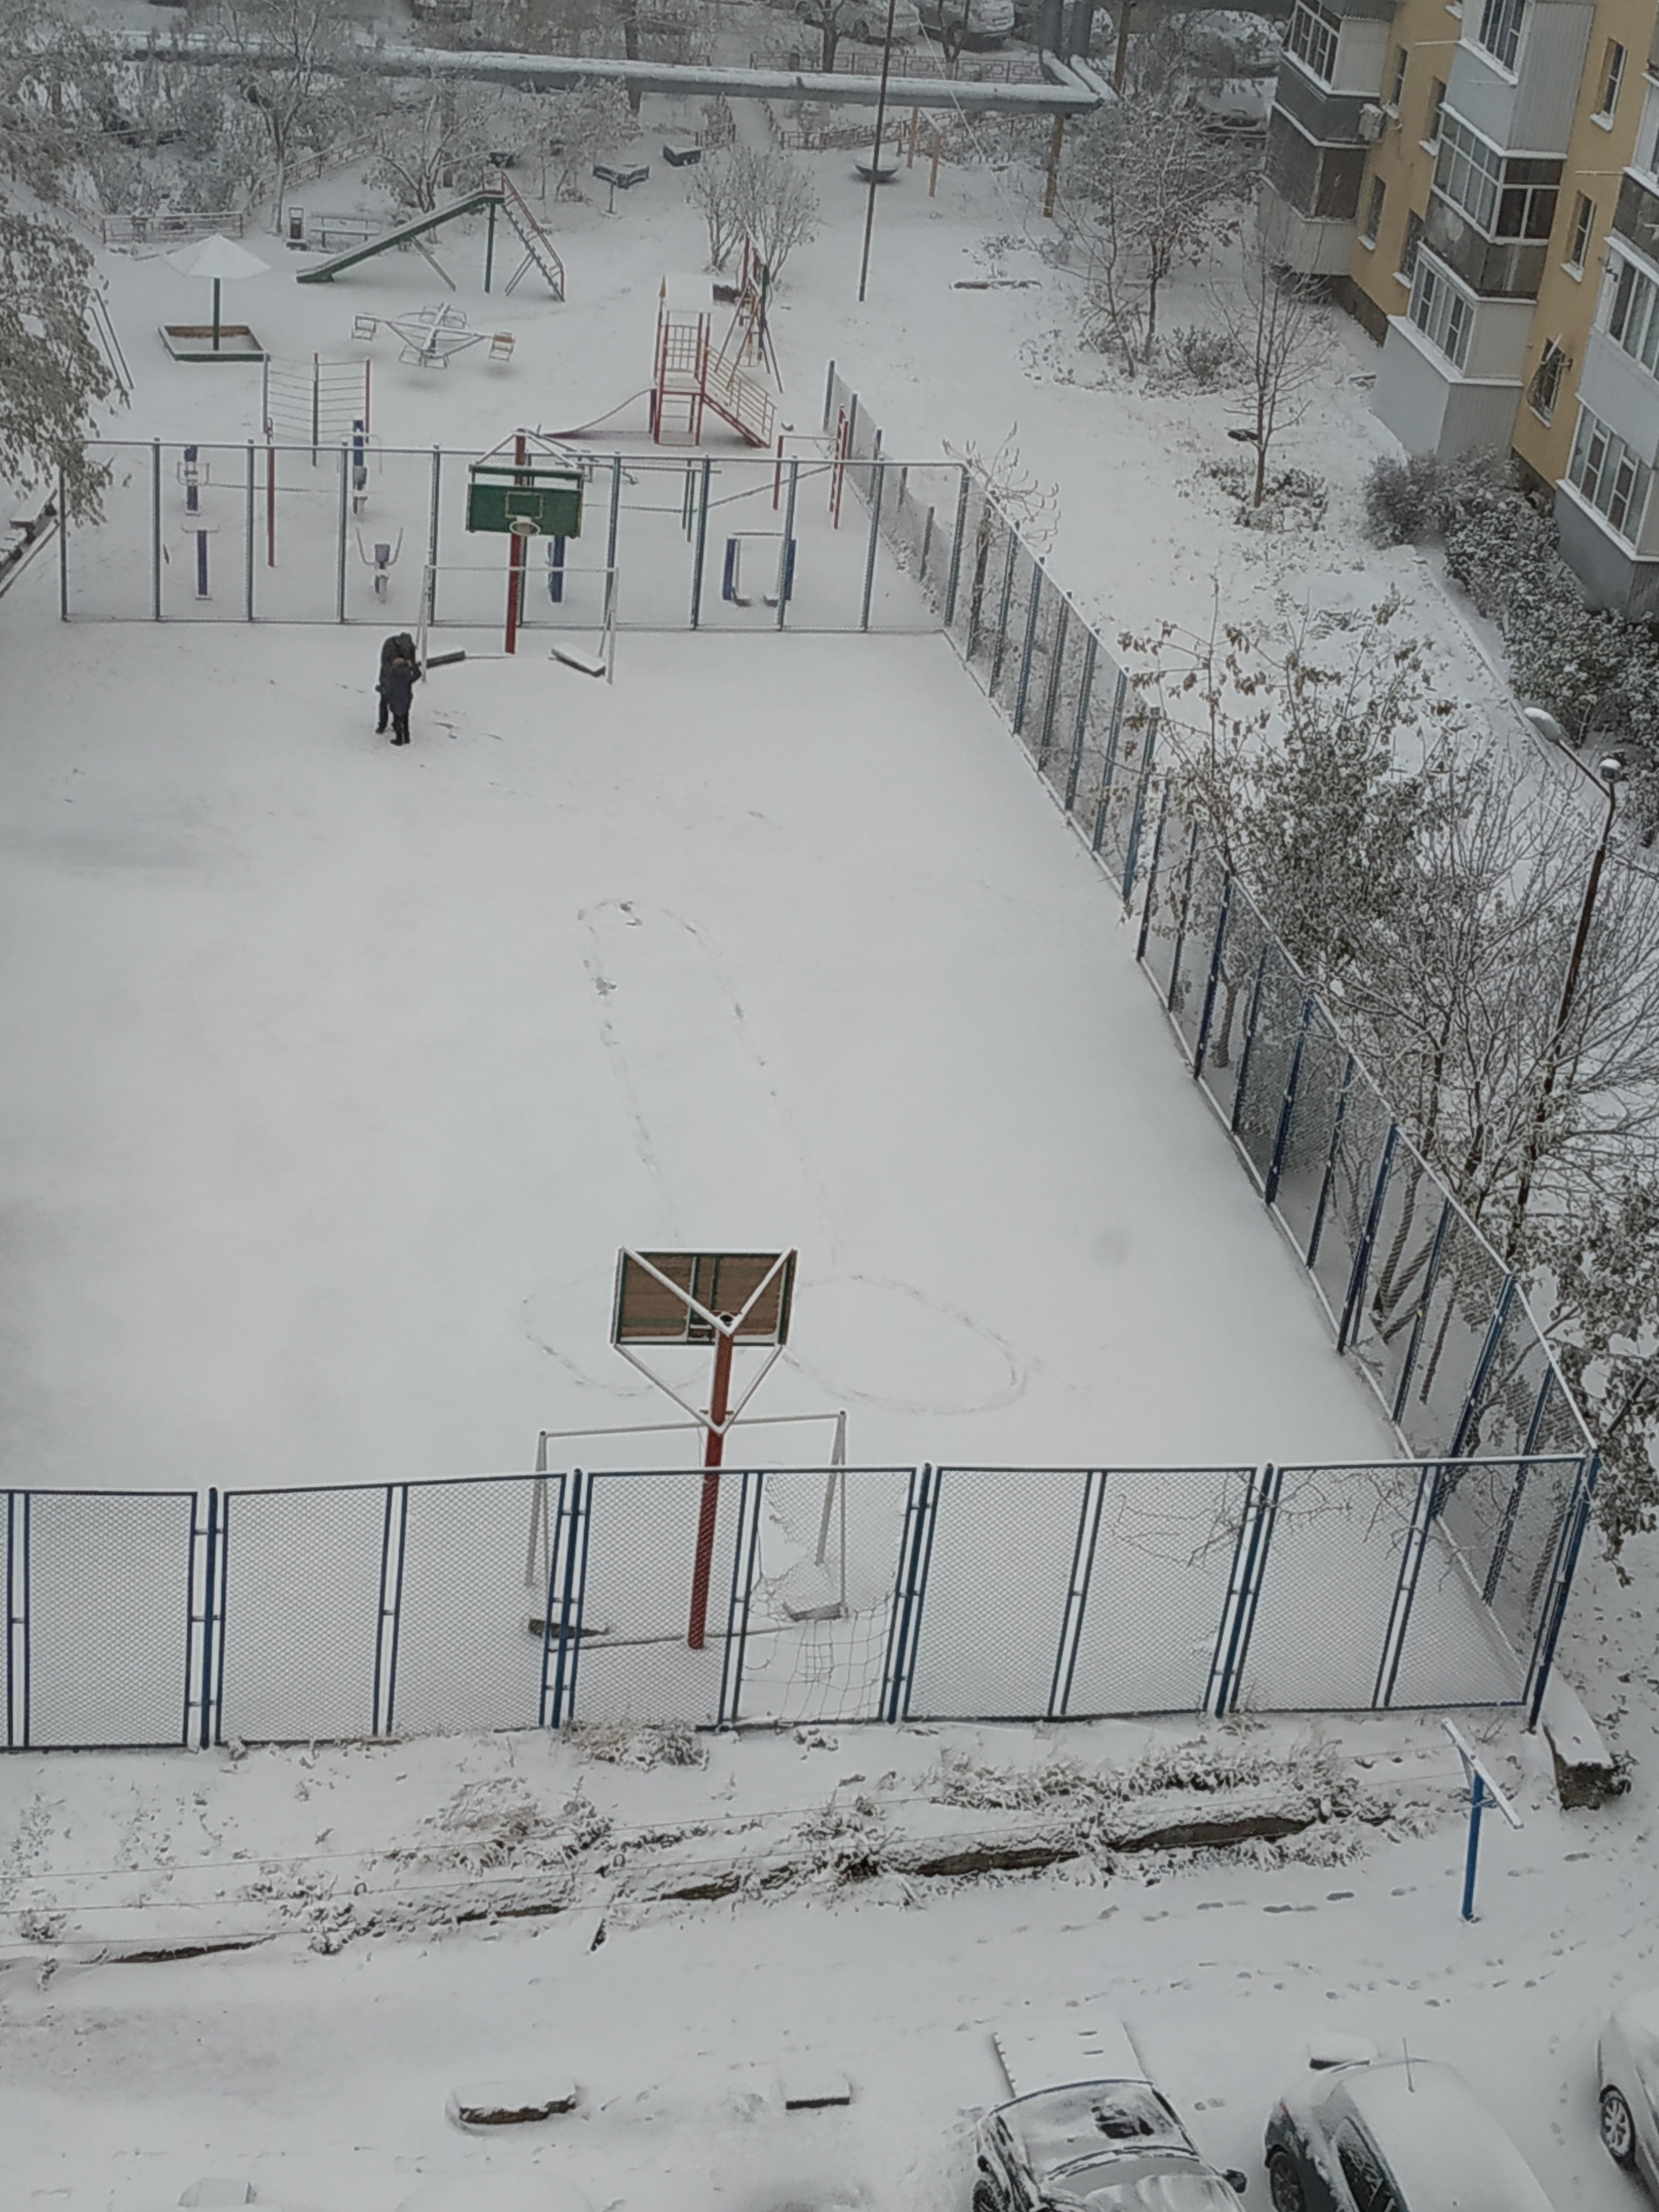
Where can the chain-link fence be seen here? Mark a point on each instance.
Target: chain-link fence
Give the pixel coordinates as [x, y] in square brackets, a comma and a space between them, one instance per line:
[1428, 1311]
[782, 1597]
[334, 532]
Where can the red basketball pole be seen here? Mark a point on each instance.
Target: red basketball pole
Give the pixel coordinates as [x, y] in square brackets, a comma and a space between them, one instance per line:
[703, 1567]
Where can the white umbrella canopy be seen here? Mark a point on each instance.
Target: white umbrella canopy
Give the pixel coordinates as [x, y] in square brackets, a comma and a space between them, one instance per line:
[222, 258]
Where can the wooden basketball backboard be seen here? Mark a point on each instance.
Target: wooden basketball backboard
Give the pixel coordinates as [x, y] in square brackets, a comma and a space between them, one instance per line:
[694, 1298]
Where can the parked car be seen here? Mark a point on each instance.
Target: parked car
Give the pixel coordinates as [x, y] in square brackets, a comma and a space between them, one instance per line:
[1108, 2146]
[1393, 2135]
[1627, 2068]
[867, 25]
[970, 22]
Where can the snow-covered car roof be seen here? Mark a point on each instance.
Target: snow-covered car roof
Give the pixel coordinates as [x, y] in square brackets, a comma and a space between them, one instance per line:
[1091, 2120]
[1189, 2188]
[1638, 2020]
[1442, 2146]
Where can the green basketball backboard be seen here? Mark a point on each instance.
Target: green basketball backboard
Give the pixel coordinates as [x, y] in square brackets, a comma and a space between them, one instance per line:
[536, 502]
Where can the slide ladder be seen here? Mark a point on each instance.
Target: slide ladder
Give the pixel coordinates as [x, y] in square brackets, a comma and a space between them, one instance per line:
[743, 400]
[539, 253]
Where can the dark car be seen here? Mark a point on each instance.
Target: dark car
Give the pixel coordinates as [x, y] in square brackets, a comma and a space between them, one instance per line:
[1393, 2135]
[1104, 2146]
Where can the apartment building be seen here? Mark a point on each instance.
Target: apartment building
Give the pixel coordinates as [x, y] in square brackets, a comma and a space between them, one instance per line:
[1482, 183]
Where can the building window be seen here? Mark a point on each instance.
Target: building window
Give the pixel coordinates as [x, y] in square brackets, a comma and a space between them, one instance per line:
[1437, 106]
[1408, 251]
[1312, 38]
[1397, 86]
[1608, 475]
[1633, 315]
[1512, 198]
[1500, 29]
[1440, 311]
[1546, 386]
[1613, 75]
[1583, 224]
[1373, 222]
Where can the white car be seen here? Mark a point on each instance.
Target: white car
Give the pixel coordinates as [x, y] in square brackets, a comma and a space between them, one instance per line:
[971, 22]
[1393, 2135]
[867, 25]
[1627, 2067]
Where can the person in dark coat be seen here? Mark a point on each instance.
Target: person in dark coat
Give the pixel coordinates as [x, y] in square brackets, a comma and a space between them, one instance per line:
[399, 647]
[399, 678]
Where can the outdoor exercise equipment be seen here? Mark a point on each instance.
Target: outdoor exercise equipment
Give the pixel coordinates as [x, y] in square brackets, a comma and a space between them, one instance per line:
[503, 199]
[383, 559]
[732, 573]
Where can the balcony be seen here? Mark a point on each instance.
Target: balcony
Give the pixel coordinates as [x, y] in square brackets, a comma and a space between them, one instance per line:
[1496, 268]
[1529, 108]
[1637, 216]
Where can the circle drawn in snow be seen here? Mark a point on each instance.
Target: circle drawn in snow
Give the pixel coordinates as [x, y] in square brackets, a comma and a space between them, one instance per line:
[880, 1343]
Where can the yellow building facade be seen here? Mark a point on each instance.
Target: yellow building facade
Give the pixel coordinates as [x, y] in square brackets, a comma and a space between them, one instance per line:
[1481, 184]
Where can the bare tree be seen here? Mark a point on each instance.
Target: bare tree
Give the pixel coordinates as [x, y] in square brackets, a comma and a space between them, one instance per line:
[296, 67]
[1009, 496]
[1147, 188]
[439, 141]
[777, 208]
[1283, 343]
[712, 188]
[56, 95]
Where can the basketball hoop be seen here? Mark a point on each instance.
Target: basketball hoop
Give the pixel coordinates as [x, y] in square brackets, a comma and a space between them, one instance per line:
[722, 1299]
[522, 526]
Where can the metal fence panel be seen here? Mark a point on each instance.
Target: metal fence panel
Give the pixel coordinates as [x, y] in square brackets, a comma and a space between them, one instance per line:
[473, 1611]
[999, 1577]
[1305, 1160]
[633, 1660]
[1404, 1244]
[820, 1604]
[100, 1603]
[1356, 1164]
[1244, 943]
[1264, 1079]
[1157, 1588]
[302, 1579]
[1451, 1340]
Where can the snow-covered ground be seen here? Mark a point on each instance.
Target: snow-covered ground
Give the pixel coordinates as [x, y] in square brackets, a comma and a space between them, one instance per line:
[335, 1075]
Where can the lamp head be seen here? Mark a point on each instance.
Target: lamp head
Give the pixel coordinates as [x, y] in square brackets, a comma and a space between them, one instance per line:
[1610, 769]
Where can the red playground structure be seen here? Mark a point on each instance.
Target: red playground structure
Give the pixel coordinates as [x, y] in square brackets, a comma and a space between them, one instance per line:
[689, 376]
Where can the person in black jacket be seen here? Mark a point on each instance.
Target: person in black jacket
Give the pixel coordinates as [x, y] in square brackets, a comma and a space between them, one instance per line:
[398, 676]
[399, 647]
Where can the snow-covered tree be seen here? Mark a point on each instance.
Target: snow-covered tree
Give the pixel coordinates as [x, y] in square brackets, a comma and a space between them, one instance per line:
[712, 188]
[297, 67]
[1146, 187]
[572, 130]
[439, 141]
[1600, 1270]
[777, 207]
[1283, 338]
[52, 374]
[56, 77]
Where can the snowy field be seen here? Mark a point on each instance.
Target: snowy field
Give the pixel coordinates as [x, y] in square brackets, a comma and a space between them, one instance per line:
[339, 1072]
[336, 1077]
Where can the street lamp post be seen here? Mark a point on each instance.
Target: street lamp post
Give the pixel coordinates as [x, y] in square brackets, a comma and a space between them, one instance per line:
[1607, 784]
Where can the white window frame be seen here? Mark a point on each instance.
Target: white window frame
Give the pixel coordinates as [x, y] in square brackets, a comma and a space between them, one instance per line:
[1608, 477]
[1581, 233]
[1313, 27]
[1440, 310]
[1499, 32]
[1614, 62]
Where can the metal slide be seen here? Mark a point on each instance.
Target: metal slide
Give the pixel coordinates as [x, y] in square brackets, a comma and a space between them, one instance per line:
[504, 197]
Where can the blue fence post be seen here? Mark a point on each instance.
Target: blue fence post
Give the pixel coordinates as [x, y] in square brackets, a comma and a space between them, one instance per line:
[1344, 1091]
[1287, 1105]
[1154, 874]
[1362, 1257]
[744, 1553]
[204, 1649]
[1000, 650]
[1470, 1414]
[1517, 1489]
[1136, 817]
[1080, 720]
[953, 574]
[1424, 1508]
[1252, 1022]
[1109, 768]
[1249, 1568]
[1051, 690]
[393, 1531]
[1076, 1591]
[571, 1555]
[18, 1510]
[1188, 874]
[1431, 1275]
[1207, 1012]
[547, 1589]
[915, 1550]
[1555, 1611]
[1033, 616]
